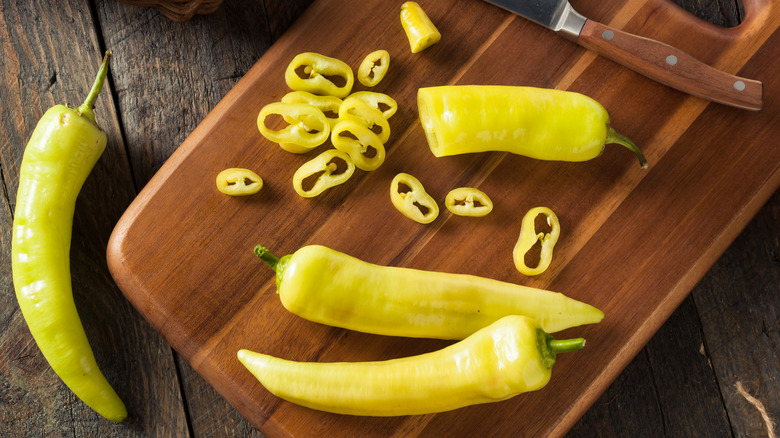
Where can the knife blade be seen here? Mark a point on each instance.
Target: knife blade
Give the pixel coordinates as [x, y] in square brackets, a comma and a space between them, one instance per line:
[656, 60]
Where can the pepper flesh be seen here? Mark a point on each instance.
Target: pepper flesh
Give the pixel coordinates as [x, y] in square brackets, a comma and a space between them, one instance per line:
[410, 198]
[330, 287]
[468, 201]
[326, 172]
[307, 126]
[373, 68]
[381, 101]
[419, 29]
[329, 105]
[507, 358]
[239, 182]
[529, 237]
[61, 153]
[357, 109]
[319, 74]
[540, 123]
[363, 146]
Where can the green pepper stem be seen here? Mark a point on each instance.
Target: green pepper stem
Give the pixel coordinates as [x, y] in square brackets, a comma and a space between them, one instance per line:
[550, 347]
[618, 138]
[566, 345]
[86, 108]
[267, 256]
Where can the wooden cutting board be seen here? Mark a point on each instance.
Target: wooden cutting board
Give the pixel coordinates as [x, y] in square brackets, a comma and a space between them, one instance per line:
[634, 242]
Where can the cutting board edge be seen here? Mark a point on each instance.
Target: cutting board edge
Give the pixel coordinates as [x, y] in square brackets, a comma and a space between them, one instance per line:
[661, 314]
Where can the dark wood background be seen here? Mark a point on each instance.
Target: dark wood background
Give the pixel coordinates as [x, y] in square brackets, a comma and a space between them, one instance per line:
[165, 78]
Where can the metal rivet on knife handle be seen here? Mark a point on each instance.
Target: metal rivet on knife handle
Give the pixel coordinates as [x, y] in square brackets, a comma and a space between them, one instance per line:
[608, 35]
[671, 60]
[739, 86]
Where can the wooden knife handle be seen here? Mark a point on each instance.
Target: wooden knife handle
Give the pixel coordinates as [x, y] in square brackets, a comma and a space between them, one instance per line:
[671, 66]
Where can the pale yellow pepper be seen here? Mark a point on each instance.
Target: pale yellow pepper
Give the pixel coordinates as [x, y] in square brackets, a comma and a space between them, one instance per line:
[498, 362]
[239, 182]
[420, 30]
[319, 74]
[539, 123]
[529, 238]
[363, 146]
[306, 126]
[326, 170]
[373, 68]
[333, 288]
[354, 108]
[381, 101]
[410, 198]
[468, 201]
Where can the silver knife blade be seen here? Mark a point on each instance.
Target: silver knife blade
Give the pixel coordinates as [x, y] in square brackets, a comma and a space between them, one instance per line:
[557, 15]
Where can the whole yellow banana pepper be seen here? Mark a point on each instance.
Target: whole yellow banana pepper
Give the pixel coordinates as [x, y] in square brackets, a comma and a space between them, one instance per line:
[509, 357]
[539, 123]
[61, 153]
[330, 287]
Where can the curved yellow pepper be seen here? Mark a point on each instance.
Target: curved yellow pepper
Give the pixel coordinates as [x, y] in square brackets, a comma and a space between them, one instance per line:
[420, 30]
[539, 123]
[239, 182]
[329, 105]
[507, 358]
[410, 198]
[307, 126]
[319, 74]
[333, 288]
[382, 102]
[322, 172]
[355, 108]
[468, 201]
[373, 68]
[61, 153]
[529, 237]
[363, 146]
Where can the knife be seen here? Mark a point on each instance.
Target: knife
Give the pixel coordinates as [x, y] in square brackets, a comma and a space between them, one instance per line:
[656, 60]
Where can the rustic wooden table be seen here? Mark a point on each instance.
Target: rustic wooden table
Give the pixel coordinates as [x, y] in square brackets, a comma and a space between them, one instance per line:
[165, 77]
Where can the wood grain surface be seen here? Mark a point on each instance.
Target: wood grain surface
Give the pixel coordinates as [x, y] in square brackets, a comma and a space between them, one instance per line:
[164, 81]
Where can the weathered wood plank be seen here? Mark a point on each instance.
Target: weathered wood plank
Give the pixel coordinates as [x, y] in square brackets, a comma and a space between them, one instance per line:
[168, 77]
[50, 53]
[739, 306]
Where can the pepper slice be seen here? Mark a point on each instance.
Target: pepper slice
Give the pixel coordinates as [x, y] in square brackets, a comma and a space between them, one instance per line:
[420, 30]
[468, 201]
[381, 101]
[329, 105]
[529, 237]
[363, 146]
[357, 109]
[324, 171]
[239, 182]
[509, 357]
[540, 123]
[307, 126]
[373, 68]
[319, 74]
[410, 198]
